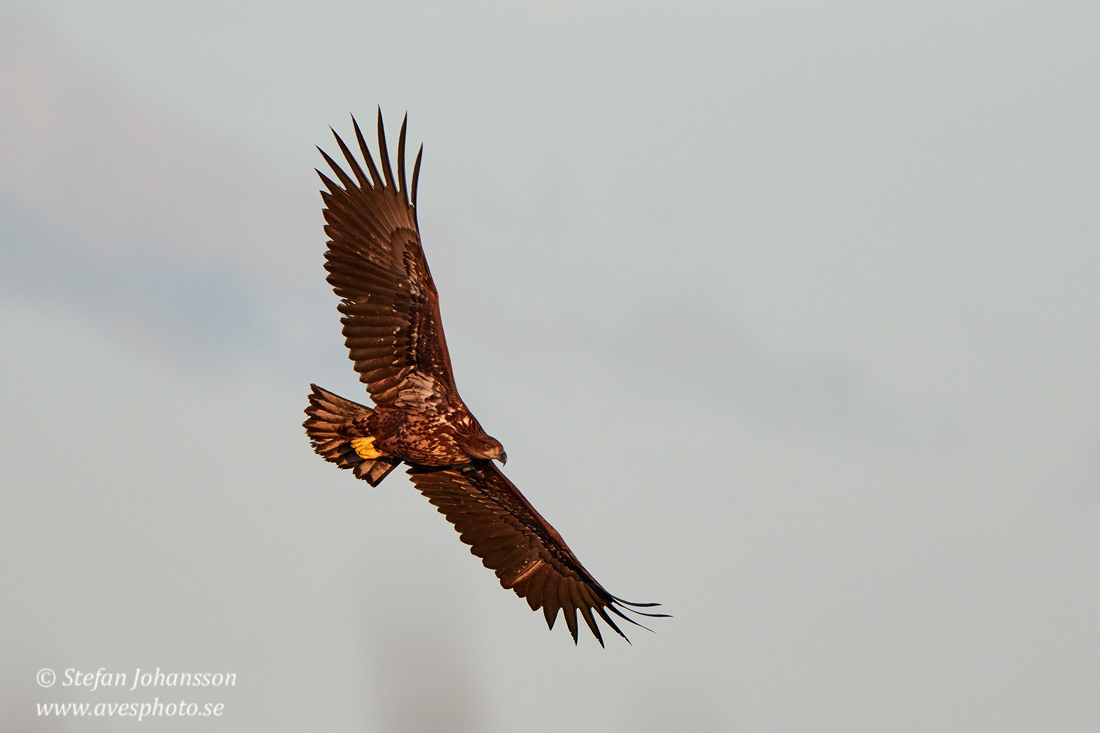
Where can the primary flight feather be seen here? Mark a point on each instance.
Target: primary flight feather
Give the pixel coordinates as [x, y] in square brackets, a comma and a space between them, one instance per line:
[394, 334]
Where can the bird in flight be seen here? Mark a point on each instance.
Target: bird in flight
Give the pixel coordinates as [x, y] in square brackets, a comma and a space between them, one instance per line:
[390, 314]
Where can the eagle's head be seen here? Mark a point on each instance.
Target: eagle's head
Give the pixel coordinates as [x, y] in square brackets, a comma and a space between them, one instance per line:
[486, 447]
[494, 450]
[476, 442]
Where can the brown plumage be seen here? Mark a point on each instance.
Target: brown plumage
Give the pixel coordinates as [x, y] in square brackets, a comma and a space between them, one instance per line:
[394, 334]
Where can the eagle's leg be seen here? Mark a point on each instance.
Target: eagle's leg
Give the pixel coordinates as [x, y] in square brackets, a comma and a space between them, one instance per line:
[365, 448]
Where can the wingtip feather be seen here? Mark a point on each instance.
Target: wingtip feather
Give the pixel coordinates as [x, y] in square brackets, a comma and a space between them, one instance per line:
[416, 173]
[401, 159]
[384, 154]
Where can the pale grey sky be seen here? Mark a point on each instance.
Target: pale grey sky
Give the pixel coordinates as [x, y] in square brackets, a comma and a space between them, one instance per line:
[785, 312]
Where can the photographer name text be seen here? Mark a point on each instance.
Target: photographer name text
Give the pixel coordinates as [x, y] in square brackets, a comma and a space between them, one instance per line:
[139, 678]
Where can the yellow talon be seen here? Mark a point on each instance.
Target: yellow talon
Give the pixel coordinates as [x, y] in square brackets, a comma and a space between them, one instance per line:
[365, 448]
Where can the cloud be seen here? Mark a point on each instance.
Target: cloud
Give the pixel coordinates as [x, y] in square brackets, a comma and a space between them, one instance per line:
[122, 178]
[114, 207]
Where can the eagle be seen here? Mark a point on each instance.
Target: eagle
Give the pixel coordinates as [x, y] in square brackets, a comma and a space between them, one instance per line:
[389, 310]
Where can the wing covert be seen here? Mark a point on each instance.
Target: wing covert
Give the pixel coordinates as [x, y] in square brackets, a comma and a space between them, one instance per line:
[376, 265]
[512, 539]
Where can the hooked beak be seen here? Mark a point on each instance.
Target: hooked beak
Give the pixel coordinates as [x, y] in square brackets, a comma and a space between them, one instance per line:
[503, 458]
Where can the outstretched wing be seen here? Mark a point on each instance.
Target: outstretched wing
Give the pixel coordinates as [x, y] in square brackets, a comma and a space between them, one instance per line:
[376, 265]
[529, 556]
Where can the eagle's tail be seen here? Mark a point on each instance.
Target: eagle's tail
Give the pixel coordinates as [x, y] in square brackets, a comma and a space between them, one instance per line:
[327, 414]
